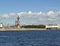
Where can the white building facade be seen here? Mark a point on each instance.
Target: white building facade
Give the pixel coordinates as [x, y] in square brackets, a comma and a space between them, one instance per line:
[52, 26]
[1, 25]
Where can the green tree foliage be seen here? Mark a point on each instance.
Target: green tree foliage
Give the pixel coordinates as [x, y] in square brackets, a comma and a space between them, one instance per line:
[33, 26]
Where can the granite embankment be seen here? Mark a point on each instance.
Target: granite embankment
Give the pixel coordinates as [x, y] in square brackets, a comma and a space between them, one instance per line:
[19, 29]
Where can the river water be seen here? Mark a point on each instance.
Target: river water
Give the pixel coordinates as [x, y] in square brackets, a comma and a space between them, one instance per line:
[30, 38]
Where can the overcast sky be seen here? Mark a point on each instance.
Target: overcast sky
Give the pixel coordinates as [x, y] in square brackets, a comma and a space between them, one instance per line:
[30, 11]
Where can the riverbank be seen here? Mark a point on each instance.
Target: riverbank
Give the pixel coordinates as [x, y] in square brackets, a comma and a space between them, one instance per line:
[21, 29]
[24, 29]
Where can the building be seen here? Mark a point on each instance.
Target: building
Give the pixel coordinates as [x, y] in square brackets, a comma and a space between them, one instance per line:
[52, 26]
[17, 22]
[1, 25]
[59, 26]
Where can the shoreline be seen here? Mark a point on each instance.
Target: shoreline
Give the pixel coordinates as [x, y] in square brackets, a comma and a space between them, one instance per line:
[24, 29]
[21, 29]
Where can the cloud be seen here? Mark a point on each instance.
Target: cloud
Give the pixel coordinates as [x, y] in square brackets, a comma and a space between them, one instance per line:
[50, 13]
[58, 14]
[30, 12]
[12, 14]
[35, 17]
[5, 16]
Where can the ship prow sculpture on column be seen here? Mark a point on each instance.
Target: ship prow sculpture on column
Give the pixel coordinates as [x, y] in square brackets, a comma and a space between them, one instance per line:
[17, 22]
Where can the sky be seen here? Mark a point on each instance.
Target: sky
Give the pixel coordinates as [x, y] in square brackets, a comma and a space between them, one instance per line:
[30, 11]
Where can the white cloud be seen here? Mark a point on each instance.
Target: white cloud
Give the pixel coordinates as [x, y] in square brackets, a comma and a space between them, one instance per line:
[21, 13]
[58, 14]
[12, 14]
[29, 17]
[5, 16]
[50, 13]
[30, 12]
[40, 12]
